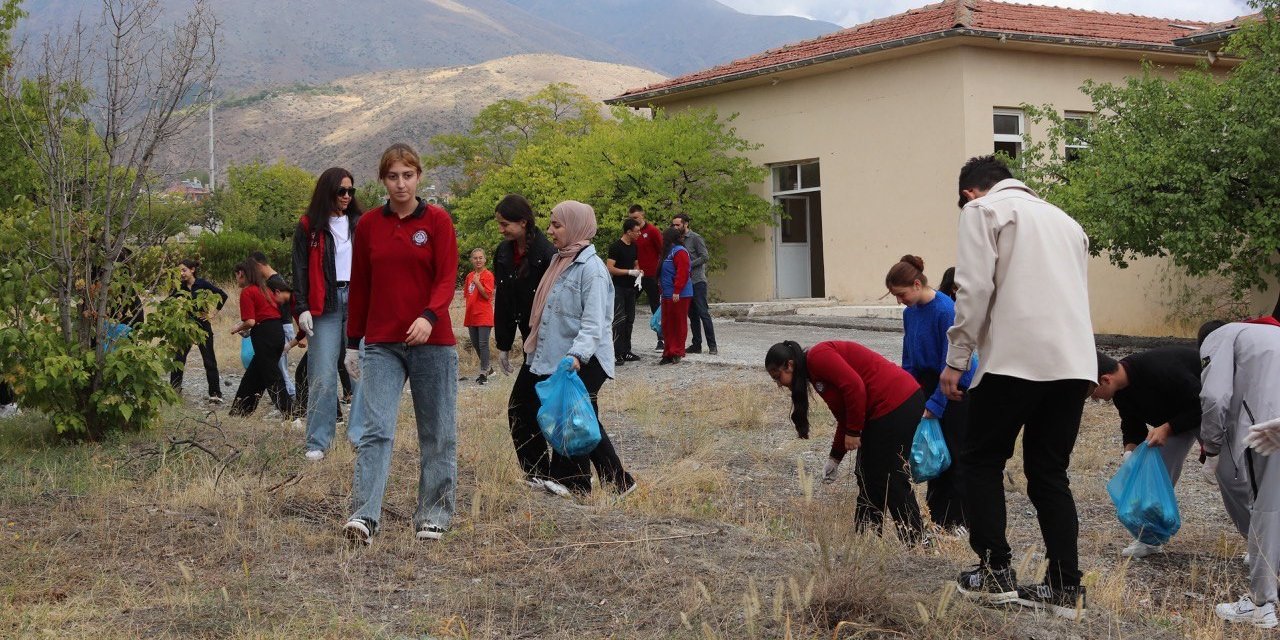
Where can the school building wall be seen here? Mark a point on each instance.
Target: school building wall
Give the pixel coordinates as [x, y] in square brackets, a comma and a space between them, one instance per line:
[890, 134]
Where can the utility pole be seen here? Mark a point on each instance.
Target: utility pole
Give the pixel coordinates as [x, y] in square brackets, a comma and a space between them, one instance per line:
[212, 179]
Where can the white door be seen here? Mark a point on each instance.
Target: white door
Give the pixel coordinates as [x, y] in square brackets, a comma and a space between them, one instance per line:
[791, 254]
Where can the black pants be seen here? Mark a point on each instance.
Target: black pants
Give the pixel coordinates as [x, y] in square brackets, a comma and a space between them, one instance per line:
[263, 373]
[649, 284]
[6, 394]
[302, 381]
[624, 319]
[536, 458]
[884, 483]
[998, 409]
[700, 316]
[210, 363]
[945, 493]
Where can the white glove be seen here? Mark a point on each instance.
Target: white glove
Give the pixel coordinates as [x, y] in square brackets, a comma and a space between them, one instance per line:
[306, 323]
[504, 361]
[352, 362]
[1125, 456]
[638, 278]
[829, 471]
[1264, 437]
[1210, 470]
[635, 273]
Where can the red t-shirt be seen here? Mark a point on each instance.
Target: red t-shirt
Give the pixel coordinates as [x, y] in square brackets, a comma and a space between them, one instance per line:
[858, 385]
[649, 250]
[402, 270]
[255, 306]
[479, 310]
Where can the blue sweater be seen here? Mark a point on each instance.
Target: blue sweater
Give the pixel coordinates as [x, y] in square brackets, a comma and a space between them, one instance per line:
[924, 345]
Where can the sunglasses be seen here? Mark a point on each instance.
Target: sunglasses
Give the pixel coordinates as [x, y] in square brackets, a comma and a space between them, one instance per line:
[345, 191]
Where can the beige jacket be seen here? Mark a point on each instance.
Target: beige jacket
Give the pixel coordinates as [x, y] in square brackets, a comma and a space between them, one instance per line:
[1023, 301]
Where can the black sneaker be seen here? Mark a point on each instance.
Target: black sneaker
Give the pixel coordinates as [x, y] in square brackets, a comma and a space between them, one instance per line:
[714, 351]
[1066, 602]
[667, 360]
[430, 532]
[662, 346]
[482, 379]
[630, 357]
[359, 531]
[993, 586]
[697, 348]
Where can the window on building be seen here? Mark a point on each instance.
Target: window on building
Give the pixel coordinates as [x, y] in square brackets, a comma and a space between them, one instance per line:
[801, 176]
[1077, 125]
[1008, 127]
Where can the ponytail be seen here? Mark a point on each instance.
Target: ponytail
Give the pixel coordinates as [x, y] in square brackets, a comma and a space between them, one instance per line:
[776, 358]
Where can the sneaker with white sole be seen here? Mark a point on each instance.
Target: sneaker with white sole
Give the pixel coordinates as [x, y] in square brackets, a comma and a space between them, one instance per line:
[274, 414]
[359, 530]
[430, 532]
[992, 586]
[1064, 602]
[1246, 612]
[535, 483]
[10, 410]
[1140, 549]
[214, 399]
[555, 488]
[315, 455]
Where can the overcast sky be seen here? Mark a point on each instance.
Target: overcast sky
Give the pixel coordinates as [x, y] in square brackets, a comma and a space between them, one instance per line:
[848, 12]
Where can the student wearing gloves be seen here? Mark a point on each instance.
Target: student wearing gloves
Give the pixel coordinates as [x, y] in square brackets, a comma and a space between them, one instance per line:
[877, 406]
[1239, 382]
[1160, 389]
[622, 265]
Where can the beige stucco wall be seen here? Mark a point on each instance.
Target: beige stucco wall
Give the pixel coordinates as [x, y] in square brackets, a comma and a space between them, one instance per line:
[890, 137]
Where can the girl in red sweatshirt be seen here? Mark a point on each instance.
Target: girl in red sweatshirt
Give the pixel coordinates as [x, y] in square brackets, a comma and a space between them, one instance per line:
[877, 406]
[260, 319]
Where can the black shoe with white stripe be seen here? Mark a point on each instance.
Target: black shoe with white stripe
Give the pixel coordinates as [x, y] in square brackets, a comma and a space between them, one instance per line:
[1064, 602]
[989, 585]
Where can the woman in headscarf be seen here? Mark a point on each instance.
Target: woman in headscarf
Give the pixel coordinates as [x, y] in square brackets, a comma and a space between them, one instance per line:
[572, 316]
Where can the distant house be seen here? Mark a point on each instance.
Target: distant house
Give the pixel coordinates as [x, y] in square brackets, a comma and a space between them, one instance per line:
[191, 190]
[865, 131]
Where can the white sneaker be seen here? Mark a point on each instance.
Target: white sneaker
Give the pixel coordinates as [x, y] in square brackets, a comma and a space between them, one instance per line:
[1140, 549]
[1245, 611]
[274, 415]
[299, 424]
[315, 455]
[1247, 559]
[10, 410]
[358, 530]
[556, 488]
[535, 483]
[214, 399]
[430, 532]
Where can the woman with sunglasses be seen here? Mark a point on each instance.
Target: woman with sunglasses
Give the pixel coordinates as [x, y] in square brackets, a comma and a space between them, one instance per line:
[322, 251]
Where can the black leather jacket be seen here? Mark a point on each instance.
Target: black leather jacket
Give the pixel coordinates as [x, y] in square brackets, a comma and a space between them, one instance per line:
[516, 287]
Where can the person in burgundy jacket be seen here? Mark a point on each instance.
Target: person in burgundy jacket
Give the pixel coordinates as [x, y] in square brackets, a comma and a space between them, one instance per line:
[648, 254]
[404, 265]
[677, 293]
[877, 406]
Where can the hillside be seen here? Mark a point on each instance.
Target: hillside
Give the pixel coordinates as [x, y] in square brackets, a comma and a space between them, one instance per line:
[317, 41]
[351, 120]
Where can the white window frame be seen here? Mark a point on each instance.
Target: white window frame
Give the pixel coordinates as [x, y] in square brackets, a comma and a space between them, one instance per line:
[799, 179]
[1082, 116]
[1019, 139]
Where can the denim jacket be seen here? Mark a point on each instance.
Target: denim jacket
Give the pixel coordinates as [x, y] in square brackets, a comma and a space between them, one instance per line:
[578, 318]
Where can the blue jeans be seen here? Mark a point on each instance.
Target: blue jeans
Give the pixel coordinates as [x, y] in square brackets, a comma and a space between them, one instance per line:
[324, 349]
[284, 358]
[432, 372]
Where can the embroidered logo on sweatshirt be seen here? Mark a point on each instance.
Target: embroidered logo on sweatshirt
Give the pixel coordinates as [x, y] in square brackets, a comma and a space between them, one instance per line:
[419, 237]
[819, 387]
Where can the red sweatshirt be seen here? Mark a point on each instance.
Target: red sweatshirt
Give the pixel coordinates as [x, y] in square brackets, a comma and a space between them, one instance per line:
[649, 250]
[255, 306]
[858, 385]
[402, 270]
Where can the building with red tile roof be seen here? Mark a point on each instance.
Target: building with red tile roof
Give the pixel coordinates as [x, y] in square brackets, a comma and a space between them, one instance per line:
[864, 132]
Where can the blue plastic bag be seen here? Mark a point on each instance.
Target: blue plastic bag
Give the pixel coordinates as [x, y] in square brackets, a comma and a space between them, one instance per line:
[1144, 498]
[929, 453]
[655, 322]
[115, 331]
[246, 351]
[567, 419]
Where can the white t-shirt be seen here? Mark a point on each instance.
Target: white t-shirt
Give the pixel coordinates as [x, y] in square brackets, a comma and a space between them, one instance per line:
[341, 247]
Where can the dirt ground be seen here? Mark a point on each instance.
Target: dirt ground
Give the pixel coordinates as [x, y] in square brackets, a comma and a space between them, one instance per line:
[217, 527]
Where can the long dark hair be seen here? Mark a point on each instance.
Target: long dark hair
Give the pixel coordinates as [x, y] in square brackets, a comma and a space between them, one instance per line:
[324, 198]
[253, 276]
[671, 238]
[948, 283]
[776, 358]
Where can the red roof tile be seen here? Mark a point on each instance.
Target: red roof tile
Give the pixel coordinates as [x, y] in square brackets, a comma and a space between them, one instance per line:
[978, 15]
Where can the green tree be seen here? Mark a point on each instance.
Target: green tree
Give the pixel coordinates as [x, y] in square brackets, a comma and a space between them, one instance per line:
[1183, 167]
[690, 161]
[502, 128]
[268, 199]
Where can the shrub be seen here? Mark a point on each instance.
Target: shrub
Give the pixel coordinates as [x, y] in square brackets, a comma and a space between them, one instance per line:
[220, 252]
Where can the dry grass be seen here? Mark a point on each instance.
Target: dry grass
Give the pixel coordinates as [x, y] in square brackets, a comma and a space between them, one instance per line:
[730, 535]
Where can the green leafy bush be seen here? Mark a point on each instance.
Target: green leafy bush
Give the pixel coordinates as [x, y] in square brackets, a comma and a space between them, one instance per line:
[220, 252]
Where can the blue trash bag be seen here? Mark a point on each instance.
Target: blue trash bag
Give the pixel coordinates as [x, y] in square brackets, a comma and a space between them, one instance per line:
[566, 417]
[1144, 499]
[655, 322]
[115, 331]
[929, 453]
[246, 351]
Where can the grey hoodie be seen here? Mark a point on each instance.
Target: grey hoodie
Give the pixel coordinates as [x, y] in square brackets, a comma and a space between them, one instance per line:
[1239, 385]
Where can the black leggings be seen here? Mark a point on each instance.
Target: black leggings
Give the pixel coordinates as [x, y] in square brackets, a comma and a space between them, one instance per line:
[536, 458]
[263, 373]
[883, 481]
[945, 495]
[210, 363]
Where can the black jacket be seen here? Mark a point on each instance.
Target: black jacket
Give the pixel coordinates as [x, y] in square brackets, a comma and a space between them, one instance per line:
[516, 287]
[1164, 386]
[302, 265]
